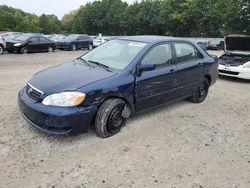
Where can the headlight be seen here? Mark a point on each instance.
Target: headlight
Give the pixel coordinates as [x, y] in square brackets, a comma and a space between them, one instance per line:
[246, 65]
[64, 99]
[18, 44]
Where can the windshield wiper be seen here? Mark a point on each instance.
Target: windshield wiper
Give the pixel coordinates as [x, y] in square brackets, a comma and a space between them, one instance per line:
[85, 61]
[101, 65]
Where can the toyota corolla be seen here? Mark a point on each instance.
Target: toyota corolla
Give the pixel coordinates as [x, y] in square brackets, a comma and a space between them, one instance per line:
[115, 81]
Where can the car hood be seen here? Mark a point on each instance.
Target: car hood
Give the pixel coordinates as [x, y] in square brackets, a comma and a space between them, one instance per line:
[237, 44]
[69, 76]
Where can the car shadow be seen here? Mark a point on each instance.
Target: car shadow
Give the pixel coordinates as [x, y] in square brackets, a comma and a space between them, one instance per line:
[91, 135]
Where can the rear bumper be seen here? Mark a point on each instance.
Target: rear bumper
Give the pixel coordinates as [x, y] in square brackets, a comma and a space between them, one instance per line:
[58, 121]
[237, 72]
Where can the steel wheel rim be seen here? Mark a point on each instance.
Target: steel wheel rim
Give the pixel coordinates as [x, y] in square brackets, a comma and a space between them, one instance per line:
[202, 90]
[115, 120]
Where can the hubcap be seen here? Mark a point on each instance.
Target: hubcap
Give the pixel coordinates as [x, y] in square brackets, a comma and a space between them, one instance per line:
[50, 49]
[90, 47]
[1, 49]
[115, 119]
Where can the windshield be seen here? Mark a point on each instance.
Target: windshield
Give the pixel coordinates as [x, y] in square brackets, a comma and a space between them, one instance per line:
[11, 36]
[72, 37]
[22, 37]
[116, 54]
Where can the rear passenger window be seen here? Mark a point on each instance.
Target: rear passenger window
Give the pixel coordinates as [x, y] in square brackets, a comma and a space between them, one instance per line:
[160, 55]
[186, 52]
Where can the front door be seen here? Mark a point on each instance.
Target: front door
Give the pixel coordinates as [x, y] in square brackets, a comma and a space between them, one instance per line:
[34, 44]
[158, 86]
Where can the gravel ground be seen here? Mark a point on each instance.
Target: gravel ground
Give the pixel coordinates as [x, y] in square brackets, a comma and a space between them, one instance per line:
[180, 145]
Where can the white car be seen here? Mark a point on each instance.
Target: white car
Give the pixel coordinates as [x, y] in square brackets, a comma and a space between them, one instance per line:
[98, 41]
[2, 45]
[236, 60]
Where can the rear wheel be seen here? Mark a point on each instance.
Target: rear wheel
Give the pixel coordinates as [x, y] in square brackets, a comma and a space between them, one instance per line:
[90, 47]
[109, 119]
[23, 50]
[201, 91]
[73, 47]
[50, 49]
[1, 49]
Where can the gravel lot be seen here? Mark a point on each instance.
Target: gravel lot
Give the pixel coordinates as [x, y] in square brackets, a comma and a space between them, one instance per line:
[180, 145]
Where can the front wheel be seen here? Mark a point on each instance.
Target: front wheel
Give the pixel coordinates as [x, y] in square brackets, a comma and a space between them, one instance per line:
[109, 119]
[24, 50]
[201, 91]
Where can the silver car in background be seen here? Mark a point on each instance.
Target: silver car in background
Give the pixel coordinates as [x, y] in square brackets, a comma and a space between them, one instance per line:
[2, 45]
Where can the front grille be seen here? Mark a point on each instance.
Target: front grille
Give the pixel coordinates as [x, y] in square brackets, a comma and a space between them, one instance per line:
[9, 45]
[229, 72]
[33, 93]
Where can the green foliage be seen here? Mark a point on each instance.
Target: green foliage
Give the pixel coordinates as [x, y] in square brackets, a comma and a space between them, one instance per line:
[194, 18]
[16, 20]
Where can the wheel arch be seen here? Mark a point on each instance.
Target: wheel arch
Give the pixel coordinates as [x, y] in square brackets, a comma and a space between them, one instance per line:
[129, 106]
[209, 78]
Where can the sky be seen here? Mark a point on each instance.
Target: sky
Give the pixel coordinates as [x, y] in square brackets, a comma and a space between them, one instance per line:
[57, 7]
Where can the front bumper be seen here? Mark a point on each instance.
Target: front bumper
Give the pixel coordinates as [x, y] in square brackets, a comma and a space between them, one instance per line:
[60, 121]
[233, 71]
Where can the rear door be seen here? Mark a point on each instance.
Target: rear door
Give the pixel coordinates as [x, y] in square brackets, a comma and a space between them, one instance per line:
[189, 63]
[158, 86]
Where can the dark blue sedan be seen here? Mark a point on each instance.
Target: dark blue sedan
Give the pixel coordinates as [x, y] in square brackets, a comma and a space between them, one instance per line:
[115, 81]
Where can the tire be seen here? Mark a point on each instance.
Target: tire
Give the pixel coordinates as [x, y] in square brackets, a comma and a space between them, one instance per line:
[73, 47]
[1, 49]
[24, 50]
[201, 91]
[109, 120]
[90, 47]
[50, 49]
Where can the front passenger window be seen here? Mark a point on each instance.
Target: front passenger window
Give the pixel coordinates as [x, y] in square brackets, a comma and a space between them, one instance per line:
[160, 55]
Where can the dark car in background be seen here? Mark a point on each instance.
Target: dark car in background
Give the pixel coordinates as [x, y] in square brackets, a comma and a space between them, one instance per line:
[120, 78]
[74, 42]
[215, 45]
[27, 43]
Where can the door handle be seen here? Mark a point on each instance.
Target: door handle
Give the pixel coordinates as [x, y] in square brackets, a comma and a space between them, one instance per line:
[172, 70]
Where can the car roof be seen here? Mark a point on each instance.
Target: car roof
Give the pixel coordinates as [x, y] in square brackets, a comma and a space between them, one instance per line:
[150, 38]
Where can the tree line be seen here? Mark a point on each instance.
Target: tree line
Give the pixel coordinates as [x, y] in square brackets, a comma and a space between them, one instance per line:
[193, 18]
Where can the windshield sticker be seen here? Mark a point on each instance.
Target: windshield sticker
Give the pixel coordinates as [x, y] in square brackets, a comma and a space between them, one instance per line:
[137, 44]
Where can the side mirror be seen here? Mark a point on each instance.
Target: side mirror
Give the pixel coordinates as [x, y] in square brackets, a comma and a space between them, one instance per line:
[146, 67]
